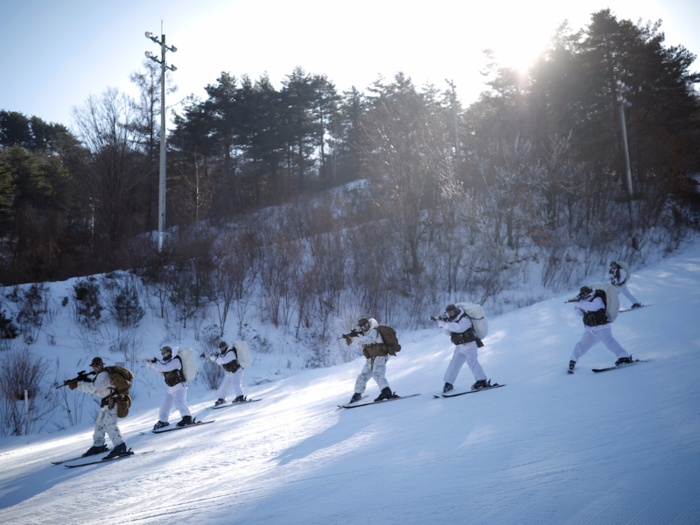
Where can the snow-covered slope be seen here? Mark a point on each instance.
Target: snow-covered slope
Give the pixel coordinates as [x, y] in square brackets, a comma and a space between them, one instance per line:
[618, 447]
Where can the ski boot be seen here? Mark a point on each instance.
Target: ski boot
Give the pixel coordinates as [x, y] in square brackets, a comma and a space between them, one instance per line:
[572, 364]
[239, 399]
[481, 383]
[447, 388]
[355, 398]
[160, 424]
[219, 401]
[623, 361]
[636, 305]
[186, 420]
[95, 450]
[386, 394]
[119, 450]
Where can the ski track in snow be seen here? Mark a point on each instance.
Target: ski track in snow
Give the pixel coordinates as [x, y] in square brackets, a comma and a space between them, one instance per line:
[551, 448]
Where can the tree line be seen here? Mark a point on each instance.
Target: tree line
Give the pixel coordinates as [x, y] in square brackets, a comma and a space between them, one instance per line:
[446, 196]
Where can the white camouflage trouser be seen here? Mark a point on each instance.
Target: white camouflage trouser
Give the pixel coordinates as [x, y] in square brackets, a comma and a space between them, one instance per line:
[106, 423]
[231, 380]
[176, 395]
[466, 353]
[622, 289]
[593, 335]
[378, 372]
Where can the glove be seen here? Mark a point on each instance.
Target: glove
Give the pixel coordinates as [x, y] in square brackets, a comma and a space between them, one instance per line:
[150, 364]
[348, 341]
[73, 385]
[213, 358]
[441, 324]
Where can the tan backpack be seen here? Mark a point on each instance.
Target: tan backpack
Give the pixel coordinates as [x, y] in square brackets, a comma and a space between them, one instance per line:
[121, 378]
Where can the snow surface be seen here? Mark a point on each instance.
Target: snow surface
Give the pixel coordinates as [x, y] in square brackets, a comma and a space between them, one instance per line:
[618, 447]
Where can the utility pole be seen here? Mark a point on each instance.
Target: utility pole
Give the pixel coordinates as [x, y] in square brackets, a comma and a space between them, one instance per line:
[161, 171]
[456, 122]
[622, 102]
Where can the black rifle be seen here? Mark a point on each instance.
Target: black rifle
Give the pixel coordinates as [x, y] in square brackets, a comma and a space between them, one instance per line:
[82, 376]
[353, 333]
[203, 356]
[580, 297]
[440, 318]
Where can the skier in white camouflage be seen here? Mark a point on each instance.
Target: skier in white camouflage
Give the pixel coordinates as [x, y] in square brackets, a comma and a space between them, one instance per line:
[597, 328]
[106, 422]
[171, 370]
[233, 374]
[368, 339]
[619, 277]
[459, 327]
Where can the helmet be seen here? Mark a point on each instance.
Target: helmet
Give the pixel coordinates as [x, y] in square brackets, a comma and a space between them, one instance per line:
[97, 361]
[614, 264]
[223, 344]
[585, 290]
[363, 321]
[166, 350]
[451, 310]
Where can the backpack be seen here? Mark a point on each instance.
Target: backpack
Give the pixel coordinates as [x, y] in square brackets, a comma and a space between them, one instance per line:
[389, 337]
[476, 314]
[626, 268]
[608, 293]
[242, 353]
[121, 378]
[189, 363]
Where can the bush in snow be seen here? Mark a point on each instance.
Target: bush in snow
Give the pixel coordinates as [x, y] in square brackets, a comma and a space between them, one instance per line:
[88, 310]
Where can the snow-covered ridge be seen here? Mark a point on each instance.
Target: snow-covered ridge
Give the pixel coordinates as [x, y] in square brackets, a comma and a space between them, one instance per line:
[619, 447]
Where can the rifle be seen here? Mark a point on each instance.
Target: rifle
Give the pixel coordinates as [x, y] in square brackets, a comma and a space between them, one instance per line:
[82, 376]
[154, 360]
[576, 299]
[440, 318]
[203, 356]
[353, 333]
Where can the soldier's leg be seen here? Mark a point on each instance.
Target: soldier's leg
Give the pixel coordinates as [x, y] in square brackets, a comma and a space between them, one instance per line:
[471, 352]
[362, 379]
[180, 398]
[165, 406]
[456, 364]
[625, 291]
[379, 371]
[225, 387]
[583, 346]
[237, 382]
[110, 423]
[98, 437]
[604, 334]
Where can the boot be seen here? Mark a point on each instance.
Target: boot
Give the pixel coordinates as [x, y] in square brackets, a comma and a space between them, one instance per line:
[447, 388]
[160, 424]
[239, 399]
[186, 420]
[481, 383]
[623, 360]
[572, 364]
[219, 401]
[355, 398]
[95, 450]
[385, 394]
[119, 450]
[636, 305]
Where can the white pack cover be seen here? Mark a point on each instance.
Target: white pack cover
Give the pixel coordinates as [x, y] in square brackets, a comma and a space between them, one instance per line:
[625, 267]
[478, 317]
[189, 363]
[243, 353]
[612, 301]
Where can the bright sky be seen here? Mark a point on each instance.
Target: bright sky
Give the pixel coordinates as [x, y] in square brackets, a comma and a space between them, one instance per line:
[55, 54]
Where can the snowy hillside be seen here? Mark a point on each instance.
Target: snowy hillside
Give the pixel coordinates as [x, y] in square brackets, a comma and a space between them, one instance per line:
[619, 447]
